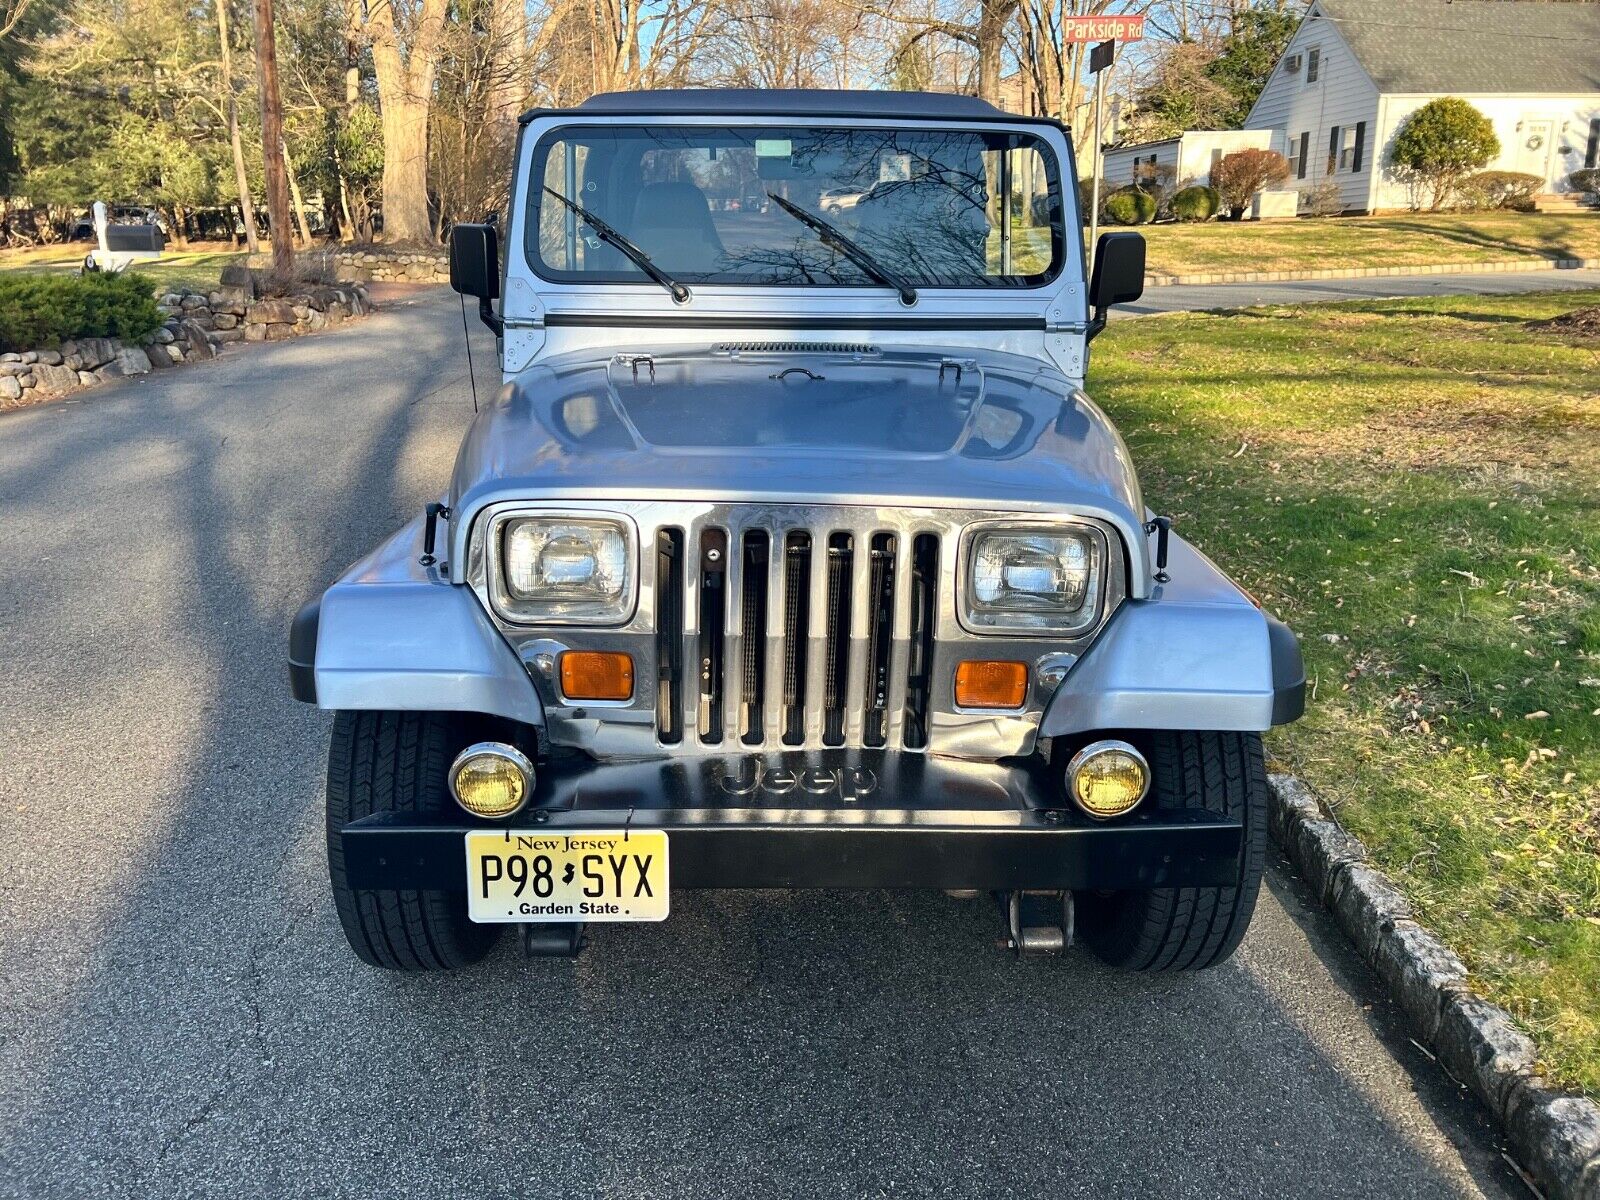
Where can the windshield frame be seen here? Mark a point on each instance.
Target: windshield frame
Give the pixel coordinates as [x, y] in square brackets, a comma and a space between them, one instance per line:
[1060, 174]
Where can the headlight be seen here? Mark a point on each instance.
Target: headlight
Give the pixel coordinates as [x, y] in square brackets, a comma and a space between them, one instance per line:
[566, 570]
[1033, 580]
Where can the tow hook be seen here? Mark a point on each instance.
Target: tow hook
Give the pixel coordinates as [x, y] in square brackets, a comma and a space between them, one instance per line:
[1037, 922]
[561, 939]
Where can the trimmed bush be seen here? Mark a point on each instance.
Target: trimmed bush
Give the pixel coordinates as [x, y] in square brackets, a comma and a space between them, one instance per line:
[1323, 199]
[1500, 189]
[1441, 144]
[1129, 206]
[44, 310]
[1586, 180]
[1196, 204]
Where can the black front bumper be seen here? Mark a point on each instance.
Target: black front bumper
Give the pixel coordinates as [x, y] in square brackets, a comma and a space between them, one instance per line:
[835, 819]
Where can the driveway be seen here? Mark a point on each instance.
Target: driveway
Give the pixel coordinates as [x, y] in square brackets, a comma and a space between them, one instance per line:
[179, 1015]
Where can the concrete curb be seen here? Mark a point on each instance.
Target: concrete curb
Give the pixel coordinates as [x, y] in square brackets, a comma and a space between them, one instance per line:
[1554, 1134]
[1471, 268]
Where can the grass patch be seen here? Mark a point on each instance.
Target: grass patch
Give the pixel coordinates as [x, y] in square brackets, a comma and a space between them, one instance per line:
[198, 268]
[1414, 485]
[1406, 240]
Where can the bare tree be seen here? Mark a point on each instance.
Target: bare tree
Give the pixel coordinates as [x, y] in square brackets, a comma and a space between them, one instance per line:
[272, 139]
[241, 177]
[985, 35]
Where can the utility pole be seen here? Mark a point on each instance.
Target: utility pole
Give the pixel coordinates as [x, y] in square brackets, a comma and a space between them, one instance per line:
[272, 141]
[1100, 60]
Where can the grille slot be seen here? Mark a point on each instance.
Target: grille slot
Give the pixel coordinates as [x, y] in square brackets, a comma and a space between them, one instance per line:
[713, 620]
[836, 660]
[924, 601]
[879, 618]
[796, 614]
[752, 635]
[669, 635]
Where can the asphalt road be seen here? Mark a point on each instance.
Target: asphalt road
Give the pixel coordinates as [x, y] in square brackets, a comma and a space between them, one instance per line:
[179, 1015]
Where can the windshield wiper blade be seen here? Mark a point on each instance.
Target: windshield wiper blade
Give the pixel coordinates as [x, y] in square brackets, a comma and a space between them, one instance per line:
[832, 236]
[680, 294]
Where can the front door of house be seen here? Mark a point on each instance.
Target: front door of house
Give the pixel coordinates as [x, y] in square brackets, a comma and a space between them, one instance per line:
[1535, 147]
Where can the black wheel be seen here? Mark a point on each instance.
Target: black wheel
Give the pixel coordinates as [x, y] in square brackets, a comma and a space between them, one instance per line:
[397, 762]
[1188, 929]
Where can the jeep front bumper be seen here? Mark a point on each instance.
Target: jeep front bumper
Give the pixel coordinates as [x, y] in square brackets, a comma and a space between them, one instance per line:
[839, 819]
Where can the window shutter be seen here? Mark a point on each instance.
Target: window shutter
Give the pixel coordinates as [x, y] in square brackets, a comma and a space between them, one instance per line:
[1305, 152]
[1333, 149]
[1592, 158]
[1361, 145]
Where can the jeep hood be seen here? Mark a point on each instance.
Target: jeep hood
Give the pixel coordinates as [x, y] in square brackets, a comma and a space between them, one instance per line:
[917, 428]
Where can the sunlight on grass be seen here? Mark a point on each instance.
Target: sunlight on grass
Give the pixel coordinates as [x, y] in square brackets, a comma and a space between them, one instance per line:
[1408, 239]
[198, 269]
[1413, 485]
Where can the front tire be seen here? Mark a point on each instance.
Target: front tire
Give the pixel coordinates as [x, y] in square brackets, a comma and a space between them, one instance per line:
[1191, 928]
[397, 762]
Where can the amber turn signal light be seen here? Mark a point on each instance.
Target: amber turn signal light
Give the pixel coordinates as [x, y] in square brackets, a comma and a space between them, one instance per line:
[595, 675]
[991, 684]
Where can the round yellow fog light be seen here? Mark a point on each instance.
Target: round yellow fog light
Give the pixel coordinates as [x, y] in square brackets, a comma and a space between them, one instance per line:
[1108, 778]
[491, 779]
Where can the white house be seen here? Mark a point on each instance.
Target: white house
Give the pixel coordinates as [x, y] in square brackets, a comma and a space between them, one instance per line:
[1192, 154]
[1356, 69]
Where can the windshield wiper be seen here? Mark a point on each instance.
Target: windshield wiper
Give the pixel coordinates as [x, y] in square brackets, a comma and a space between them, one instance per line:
[831, 236]
[680, 294]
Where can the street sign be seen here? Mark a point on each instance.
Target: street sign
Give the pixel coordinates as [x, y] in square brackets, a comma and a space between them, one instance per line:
[1102, 29]
[1101, 57]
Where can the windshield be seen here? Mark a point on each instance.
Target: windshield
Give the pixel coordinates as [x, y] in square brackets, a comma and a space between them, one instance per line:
[699, 201]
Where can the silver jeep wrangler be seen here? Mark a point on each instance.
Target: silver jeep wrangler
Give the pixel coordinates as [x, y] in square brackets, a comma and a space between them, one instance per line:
[793, 554]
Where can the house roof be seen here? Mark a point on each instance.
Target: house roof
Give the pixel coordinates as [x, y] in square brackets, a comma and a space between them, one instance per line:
[1472, 46]
[796, 102]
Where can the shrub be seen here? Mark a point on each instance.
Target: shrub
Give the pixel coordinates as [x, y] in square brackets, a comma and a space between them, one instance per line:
[1129, 206]
[1323, 199]
[42, 310]
[1196, 204]
[1242, 174]
[1586, 180]
[1499, 189]
[1442, 143]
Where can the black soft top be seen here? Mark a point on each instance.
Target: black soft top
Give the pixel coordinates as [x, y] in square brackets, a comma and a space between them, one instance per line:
[786, 102]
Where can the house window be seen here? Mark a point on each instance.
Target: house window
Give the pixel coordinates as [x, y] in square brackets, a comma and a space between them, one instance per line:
[1334, 142]
[1592, 158]
[1299, 148]
[1349, 149]
[1313, 64]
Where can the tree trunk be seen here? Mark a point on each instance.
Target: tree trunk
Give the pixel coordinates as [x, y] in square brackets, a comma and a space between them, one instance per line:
[992, 18]
[241, 177]
[299, 200]
[405, 171]
[272, 141]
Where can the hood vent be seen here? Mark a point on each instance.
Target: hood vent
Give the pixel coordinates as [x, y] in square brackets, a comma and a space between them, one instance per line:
[733, 349]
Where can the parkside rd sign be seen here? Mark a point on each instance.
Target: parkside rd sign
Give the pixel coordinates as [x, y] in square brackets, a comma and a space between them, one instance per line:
[1102, 29]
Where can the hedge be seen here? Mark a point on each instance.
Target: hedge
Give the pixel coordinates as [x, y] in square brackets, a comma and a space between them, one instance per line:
[45, 310]
[1196, 204]
[1500, 189]
[1129, 206]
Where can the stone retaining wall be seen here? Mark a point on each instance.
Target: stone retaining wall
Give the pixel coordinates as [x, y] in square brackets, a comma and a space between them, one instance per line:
[196, 326]
[393, 266]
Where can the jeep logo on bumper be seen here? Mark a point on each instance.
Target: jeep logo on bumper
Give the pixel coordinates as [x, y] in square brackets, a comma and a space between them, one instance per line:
[751, 776]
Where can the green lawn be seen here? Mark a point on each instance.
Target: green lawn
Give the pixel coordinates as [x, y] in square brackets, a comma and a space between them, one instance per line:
[1414, 485]
[198, 268]
[1410, 239]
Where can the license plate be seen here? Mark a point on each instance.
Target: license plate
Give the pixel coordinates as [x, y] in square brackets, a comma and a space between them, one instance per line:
[534, 876]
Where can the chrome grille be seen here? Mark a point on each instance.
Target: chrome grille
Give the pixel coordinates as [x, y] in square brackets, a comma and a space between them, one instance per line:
[799, 636]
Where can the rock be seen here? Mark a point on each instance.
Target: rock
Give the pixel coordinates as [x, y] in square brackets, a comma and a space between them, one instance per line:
[232, 299]
[255, 333]
[223, 320]
[170, 300]
[1421, 972]
[334, 315]
[240, 278]
[1321, 849]
[85, 378]
[316, 321]
[68, 349]
[75, 361]
[10, 356]
[1558, 1135]
[160, 359]
[199, 345]
[29, 380]
[10, 389]
[13, 369]
[164, 336]
[95, 351]
[270, 312]
[133, 361]
[1481, 1046]
[231, 335]
[192, 302]
[50, 358]
[30, 356]
[56, 378]
[279, 333]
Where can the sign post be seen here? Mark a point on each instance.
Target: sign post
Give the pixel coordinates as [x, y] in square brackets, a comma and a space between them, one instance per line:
[1100, 58]
[1107, 32]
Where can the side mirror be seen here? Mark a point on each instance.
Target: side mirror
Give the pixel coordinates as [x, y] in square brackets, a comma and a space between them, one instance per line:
[475, 261]
[1118, 271]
